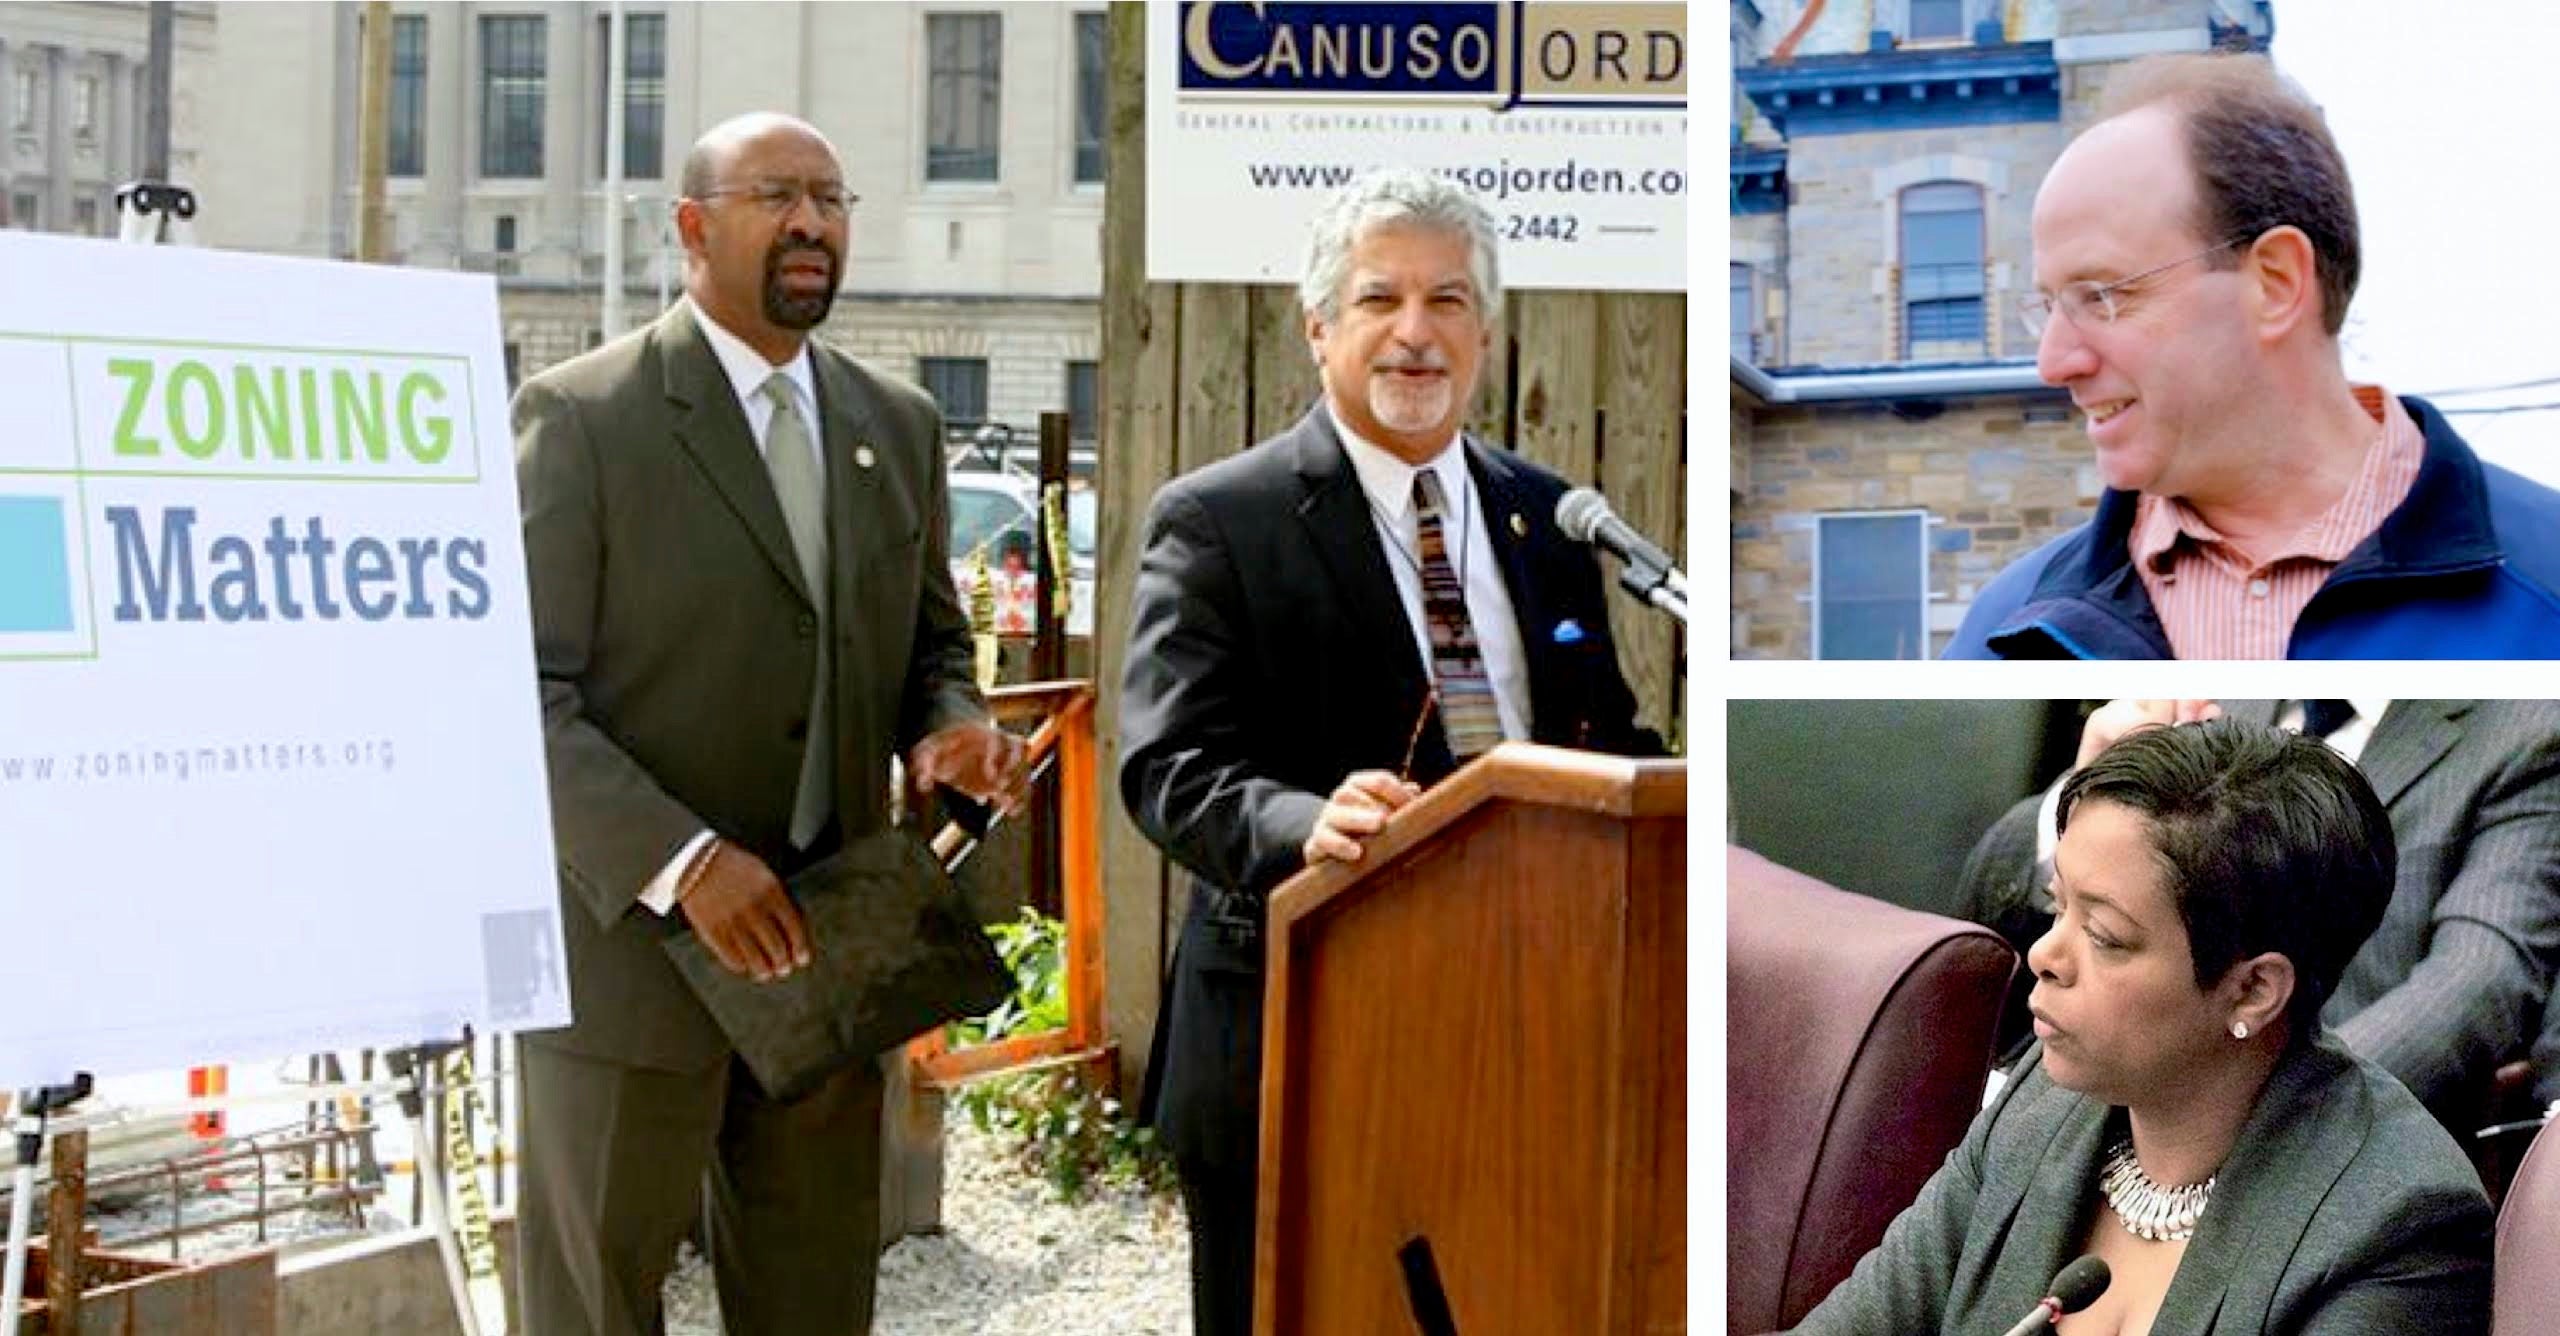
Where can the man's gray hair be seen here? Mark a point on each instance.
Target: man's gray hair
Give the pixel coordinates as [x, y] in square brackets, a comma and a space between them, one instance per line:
[1400, 197]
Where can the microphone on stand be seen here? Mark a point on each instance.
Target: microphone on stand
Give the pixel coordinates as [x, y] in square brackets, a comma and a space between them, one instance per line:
[2076, 1287]
[1649, 573]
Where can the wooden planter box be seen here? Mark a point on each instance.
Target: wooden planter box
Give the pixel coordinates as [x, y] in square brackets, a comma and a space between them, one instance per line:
[132, 1295]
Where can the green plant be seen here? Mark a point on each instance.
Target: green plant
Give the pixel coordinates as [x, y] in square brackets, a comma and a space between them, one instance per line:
[1033, 947]
[1072, 1135]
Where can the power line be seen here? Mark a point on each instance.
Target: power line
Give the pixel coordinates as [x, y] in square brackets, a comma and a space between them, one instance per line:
[2534, 384]
[2499, 410]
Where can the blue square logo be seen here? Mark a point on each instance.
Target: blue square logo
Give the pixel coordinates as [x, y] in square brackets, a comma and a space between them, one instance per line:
[35, 565]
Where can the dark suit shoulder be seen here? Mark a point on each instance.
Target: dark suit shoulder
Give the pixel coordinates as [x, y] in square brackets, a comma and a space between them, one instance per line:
[1255, 474]
[897, 394]
[602, 371]
[1518, 469]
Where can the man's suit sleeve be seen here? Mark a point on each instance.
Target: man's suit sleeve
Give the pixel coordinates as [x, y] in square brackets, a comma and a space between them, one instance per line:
[942, 680]
[2475, 998]
[613, 824]
[1186, 772]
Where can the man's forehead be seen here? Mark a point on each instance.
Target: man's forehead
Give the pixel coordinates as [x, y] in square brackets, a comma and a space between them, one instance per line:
[1434, 255]
[778, 148]
[2118, 197]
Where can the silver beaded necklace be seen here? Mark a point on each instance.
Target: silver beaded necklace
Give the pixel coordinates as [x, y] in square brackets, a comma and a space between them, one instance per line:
[2148, 1210]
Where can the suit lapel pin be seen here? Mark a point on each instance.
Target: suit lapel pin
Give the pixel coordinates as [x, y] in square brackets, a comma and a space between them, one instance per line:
[1519, 526]
[862, 456]
[1568, 632]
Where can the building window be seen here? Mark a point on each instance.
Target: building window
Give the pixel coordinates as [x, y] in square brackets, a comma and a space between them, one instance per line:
[1871, 585]
[84, 215]
[1084, 402]
[408, 95]
[84, 106]
[965, 55]
[1936, 20]
[26, 211]
[644, 93]
[1941, 271]
[503, 241]
[1093, 57]
[958, 385]
[22, 98]
[1743, 342]
[511, 94]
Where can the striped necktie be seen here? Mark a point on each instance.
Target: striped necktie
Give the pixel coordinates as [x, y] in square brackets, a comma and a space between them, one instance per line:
[792, 460]
[1468, 715]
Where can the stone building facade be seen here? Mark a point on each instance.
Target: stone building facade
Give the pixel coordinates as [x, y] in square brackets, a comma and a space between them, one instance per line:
[74, 81]
[970, 132]
[1893, 448]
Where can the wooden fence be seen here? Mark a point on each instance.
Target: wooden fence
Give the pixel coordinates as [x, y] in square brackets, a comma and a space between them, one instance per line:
[1592, 385]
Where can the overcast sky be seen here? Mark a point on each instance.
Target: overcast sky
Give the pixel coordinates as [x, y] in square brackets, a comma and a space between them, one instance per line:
[2450, 125]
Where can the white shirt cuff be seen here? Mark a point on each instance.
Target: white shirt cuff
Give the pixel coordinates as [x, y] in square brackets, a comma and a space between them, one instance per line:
[659, 896]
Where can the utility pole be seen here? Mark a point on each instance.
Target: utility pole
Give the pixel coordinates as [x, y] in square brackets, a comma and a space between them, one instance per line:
[155, 104]
[617, 73]
[373, 135]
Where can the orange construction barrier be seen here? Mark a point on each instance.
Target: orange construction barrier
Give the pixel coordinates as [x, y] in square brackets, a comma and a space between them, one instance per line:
[203, 1081]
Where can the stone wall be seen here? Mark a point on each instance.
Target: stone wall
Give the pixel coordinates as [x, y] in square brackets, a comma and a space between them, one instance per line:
[1998, 477]
[1844, 231]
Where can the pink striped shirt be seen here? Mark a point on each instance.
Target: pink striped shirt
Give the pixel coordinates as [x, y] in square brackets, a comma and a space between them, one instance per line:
[2218, 602]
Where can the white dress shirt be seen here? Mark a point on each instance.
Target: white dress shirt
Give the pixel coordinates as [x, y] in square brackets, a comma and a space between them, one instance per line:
[1387, 483]
[747, 372]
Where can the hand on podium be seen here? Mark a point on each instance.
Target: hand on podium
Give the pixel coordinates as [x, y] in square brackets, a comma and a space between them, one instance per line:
[1357, 809]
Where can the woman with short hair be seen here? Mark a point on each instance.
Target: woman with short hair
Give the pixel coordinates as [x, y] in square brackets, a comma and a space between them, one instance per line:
[2183, 1116]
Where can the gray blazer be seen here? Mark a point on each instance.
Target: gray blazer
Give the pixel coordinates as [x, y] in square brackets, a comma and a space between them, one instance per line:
[2454, 980]
[675, 637]
[2344, 1210]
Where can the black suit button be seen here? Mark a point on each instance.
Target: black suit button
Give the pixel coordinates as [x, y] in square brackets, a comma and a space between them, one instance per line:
[799, 730]
[808, 625]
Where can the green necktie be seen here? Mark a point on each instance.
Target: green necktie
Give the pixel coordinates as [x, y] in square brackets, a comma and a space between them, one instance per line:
[792, 460]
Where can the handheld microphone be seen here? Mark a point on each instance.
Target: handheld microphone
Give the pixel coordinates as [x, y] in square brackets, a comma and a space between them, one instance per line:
[2076, 1287]
[1649, 572]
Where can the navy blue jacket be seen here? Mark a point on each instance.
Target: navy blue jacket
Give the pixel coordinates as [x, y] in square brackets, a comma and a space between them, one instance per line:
[2467, 567]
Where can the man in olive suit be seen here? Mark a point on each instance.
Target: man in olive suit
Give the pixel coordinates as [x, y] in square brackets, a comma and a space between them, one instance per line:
[743, 611]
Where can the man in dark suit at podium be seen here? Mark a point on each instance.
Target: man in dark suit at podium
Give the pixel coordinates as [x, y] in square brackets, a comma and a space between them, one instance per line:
[1322, 625]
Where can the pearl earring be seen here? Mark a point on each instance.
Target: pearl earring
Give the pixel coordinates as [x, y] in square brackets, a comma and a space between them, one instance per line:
[2239, 1029]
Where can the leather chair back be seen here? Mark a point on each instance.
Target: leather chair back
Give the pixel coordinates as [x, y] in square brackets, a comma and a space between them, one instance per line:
[1859, 1038]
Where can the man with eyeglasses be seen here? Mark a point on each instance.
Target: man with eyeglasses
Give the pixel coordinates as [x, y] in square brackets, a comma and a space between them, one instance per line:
[742, 611]
[2195, 252]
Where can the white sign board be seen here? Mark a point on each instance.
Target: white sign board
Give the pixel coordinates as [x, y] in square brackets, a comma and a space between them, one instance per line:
[1568, 121]
[271, 774]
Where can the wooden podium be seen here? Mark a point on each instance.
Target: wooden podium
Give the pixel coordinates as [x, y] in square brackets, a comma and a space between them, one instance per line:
[1476, 1038]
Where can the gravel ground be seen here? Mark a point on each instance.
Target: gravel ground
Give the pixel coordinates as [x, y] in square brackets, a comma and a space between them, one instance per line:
[1011, 1260]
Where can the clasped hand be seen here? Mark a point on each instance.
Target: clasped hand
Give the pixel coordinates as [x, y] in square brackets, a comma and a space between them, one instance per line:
[748, 921]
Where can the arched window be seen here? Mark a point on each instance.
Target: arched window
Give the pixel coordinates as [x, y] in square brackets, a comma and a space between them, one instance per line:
[1942, 271]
